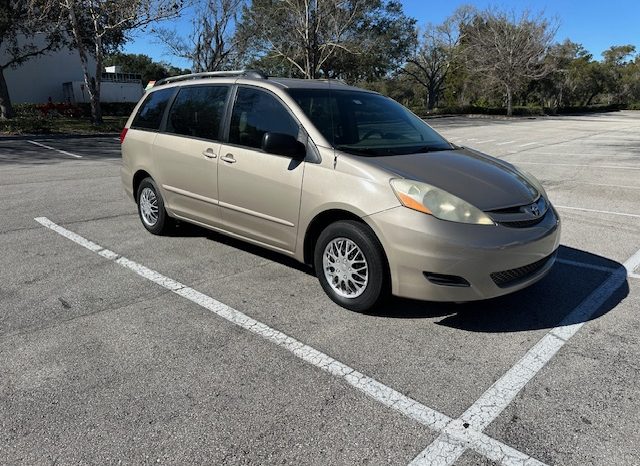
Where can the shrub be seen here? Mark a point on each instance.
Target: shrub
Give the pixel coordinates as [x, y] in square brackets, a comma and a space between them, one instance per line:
[517, 111]
[77, 110]
[30, 124]
[117, 108]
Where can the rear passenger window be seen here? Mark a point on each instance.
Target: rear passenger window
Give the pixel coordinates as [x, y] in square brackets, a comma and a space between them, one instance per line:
[255, 113]
[150, 113]
[197, 111]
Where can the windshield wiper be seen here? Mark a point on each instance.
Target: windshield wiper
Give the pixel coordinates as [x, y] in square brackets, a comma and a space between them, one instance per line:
[424, 149]
[364, 150]
[385, 151]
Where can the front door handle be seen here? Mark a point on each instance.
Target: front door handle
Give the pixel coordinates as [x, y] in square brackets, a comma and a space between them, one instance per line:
[209, 153]
[228, 158]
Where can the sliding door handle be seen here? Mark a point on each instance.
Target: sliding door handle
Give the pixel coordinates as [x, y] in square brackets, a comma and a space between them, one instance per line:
[228, 158]
[209, 153]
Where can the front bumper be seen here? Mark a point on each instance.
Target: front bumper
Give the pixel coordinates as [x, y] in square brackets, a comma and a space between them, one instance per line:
[416, 244]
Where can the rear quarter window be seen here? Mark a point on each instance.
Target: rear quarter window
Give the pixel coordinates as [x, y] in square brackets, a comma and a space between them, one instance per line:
[150, 113]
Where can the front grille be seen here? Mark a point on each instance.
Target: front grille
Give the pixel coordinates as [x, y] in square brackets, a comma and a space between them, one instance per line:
[507, 278]
[524, 223]
[521, 216]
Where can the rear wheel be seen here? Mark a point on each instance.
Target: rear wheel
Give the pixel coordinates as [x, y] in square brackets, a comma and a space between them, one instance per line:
[350, 265]
[151, 208]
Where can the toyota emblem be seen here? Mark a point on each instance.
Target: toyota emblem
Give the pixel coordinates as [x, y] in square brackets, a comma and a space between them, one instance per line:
[535, 211]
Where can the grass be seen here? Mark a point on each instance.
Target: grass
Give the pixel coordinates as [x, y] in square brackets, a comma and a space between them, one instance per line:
[35, 124]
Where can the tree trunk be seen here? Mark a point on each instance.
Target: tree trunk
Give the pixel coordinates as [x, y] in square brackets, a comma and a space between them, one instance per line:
[431, 98]
[509, 101]
[96, 108]
[93, 85]
[6, 109]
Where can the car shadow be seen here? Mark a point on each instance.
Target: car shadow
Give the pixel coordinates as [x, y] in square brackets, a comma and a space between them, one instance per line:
[188, 230]
[541, 306]
[574, 277]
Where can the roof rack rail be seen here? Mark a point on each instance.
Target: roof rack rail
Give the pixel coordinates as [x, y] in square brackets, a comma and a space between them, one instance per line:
[256, 74]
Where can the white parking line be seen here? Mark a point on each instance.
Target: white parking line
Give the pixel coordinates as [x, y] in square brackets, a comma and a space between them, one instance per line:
[633, 263]
[528, 144]
[505, 143]
[624, 214]
[64, 152]
[488, 140]
[620, 167]
[446, 449]
[475, 440]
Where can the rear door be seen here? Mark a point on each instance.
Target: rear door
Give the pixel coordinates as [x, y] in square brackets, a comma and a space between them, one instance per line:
[187, 152]
[260, 192]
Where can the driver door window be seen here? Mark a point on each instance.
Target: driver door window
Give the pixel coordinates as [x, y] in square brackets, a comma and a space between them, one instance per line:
[256, 113]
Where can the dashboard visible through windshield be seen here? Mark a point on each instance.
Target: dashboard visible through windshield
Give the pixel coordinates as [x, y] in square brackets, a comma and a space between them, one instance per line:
[365, 123]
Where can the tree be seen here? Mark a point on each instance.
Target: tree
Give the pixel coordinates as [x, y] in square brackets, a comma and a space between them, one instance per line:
[618, 54]
[617, 63]
[143, 65]
[24, 34]
[558, 88]
[631, 82]
[508, 49]
[389, 35]
[211, 45]
[436, 53]
[317, 37]
[98, 27]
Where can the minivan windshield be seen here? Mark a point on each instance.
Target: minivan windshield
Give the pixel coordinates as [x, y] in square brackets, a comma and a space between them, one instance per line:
[365, 123]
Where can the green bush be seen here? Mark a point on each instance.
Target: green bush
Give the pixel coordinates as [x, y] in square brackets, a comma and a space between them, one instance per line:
[589, 109]
[109, 108]
[517, 110]
[478, 110]
[30, 124]
[117, 108]
[78, 110]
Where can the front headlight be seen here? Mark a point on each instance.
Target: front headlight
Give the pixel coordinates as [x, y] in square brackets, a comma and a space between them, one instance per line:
[433, 201]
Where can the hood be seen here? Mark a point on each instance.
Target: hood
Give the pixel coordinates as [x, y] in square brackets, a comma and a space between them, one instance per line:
[481, 180]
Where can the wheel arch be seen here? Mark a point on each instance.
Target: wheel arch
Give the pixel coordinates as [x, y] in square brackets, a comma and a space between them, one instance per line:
[137, 179]
[323, 220]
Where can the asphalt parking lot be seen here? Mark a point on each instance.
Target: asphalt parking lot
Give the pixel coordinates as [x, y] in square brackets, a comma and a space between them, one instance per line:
[120, 347]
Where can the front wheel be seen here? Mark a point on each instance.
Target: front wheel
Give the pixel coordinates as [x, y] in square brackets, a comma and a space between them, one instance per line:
[151, 208]
[351, 266]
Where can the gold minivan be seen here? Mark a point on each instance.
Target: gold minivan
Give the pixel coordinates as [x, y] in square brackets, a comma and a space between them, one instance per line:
[340, 178]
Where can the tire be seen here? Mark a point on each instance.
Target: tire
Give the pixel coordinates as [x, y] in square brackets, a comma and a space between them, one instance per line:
[163, 223]
[367, 293]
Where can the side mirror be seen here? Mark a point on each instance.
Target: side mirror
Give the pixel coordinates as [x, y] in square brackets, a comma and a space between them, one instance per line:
[283, 144]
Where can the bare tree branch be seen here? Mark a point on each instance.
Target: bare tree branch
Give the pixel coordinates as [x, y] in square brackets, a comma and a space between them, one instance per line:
[510, 49]
[212, 44]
